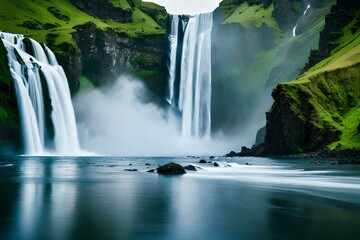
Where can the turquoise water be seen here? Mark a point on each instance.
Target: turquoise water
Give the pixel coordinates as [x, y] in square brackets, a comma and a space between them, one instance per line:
[95, 198]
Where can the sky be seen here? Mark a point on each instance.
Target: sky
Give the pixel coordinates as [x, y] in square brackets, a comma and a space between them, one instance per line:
[187, 6]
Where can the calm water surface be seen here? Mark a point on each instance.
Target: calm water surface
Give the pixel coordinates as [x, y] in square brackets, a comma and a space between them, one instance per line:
[95, 198]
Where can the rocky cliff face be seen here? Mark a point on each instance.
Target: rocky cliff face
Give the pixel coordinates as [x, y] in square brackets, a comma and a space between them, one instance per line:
[98, 39]
[340, 16]
[320, 109]
[104, 9]
[9, 116]
[102, 54]
[105, 54]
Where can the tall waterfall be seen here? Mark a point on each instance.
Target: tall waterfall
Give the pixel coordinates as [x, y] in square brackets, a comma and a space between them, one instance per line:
[34, 70]
[190, 72]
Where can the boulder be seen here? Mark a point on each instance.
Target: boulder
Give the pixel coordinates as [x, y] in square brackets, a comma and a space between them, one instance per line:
[171, 169]
[190, 168]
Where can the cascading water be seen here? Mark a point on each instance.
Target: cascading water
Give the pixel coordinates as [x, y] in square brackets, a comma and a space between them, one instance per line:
[27, 66]
[190, 72]
[297, 23]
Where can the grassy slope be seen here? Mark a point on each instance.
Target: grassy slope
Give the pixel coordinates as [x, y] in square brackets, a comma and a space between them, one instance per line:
[256, 16]
[13, 13]
[332, 88]
[250, 16]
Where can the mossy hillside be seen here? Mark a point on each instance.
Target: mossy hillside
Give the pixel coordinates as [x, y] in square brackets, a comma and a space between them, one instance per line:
[328, 95]
[14, 13]
[252, 16]
[329, 100]
[123, 4]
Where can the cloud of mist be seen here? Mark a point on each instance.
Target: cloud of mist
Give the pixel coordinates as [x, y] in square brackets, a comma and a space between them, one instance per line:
[117, 121]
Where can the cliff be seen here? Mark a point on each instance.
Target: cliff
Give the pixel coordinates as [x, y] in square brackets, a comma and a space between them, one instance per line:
[320, 109]
[253, 50]
[115, 30]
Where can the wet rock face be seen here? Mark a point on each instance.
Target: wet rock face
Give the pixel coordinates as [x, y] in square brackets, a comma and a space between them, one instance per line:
[72, 64]
[103, 9]
[106, 54]
[287, 133]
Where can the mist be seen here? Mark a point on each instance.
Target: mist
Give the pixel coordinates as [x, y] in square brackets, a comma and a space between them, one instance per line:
[119, 120]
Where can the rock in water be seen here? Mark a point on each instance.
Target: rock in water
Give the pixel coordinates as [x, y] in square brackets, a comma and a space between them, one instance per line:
[190, 168]
[171, 169]
[202, 161]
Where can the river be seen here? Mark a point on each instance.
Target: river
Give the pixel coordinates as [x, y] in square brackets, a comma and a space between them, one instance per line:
[243, 198]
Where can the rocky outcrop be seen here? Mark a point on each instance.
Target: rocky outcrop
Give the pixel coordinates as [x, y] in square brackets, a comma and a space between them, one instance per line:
[171, 169]
[340, 15]
[309, 115]
[10, 139]
[317, 109]
[106, 53]
[103, 9]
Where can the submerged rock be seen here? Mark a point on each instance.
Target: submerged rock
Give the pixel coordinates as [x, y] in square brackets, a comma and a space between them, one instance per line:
[190, 168]
[216, 164]
[202, 161]
[151, 170]
[131, 170]
[171, 169]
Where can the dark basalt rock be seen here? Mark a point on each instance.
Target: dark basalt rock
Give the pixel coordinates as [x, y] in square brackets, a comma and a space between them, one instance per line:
[105, 54]
[216, 164]
[202, 161]
[151, 170]
[190, 168]
[103, 9]
[287, 133]
[171, 169]
[231, 154]
[131, 170]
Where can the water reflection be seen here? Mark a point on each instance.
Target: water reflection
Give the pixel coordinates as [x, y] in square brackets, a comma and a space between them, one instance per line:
[94, 198]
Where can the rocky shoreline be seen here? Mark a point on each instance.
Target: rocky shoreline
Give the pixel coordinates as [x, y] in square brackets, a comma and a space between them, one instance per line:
[336, 156]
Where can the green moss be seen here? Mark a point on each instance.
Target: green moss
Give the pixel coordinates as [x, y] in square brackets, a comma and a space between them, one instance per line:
[85, 83]
[330, 100]
[350, 137]
[63, 15]
[123, 4]
[5, 77]
[252, 16]
[296, 6]
[143, 60]
[3, 114]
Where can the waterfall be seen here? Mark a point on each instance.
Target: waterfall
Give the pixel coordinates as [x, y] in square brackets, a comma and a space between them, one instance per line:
[297, 23]
[190, 72]
[28, 67]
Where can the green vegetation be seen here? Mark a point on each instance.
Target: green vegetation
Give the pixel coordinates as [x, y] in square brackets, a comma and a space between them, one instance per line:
[3, 114]
[85, 83]
[252, 16]
[123, 4]
[328, 95]
[16, 16]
